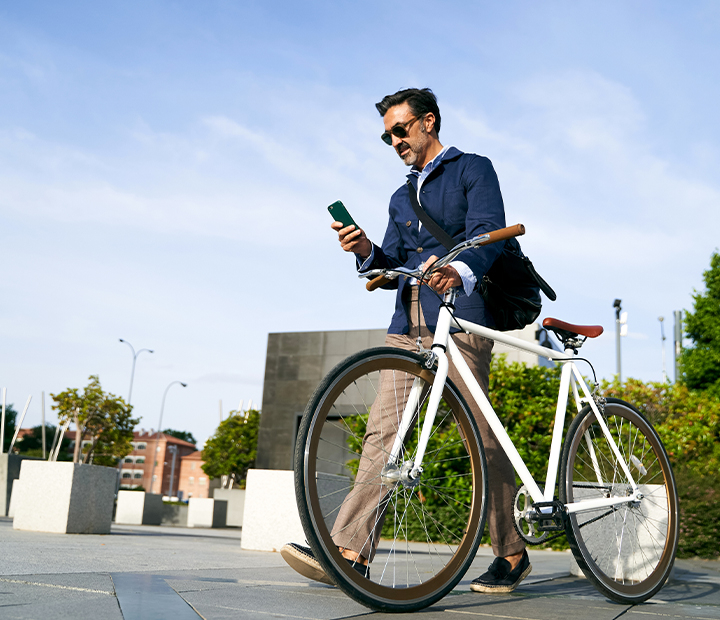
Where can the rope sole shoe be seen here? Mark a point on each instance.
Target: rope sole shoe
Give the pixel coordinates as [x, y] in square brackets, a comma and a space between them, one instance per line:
[302, 560]
[499, 579]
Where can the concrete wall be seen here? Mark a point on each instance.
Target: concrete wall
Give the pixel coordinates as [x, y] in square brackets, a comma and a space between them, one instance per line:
[295, 364]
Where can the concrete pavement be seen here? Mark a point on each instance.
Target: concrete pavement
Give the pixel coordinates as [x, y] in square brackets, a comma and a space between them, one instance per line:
[146, 572]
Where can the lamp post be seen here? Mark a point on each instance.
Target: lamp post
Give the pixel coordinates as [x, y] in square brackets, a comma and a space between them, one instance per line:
[618, 308]
[157, 434]
[132, 372]
[677, 342]
[662, 344]
[174, 450]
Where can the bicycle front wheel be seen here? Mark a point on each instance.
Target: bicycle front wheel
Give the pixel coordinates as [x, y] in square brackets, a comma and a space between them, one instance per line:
[421, 534]
[626, 551]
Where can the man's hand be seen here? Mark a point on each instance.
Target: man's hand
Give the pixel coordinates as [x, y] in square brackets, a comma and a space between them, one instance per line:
[444, 278]
[353, 240]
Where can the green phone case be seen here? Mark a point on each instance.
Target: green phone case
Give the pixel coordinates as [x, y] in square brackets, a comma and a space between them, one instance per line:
[340, 213]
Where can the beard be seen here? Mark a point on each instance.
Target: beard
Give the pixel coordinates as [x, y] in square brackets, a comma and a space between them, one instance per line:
[410, 152]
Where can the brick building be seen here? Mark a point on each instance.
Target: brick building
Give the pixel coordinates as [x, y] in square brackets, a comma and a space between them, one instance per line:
[137, 466]
[193, 481]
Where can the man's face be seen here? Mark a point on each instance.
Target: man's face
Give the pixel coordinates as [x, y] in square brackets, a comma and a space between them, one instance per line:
[411, 148]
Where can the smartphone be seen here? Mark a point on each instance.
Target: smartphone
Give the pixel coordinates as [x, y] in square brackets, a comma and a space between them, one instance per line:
[340, 213]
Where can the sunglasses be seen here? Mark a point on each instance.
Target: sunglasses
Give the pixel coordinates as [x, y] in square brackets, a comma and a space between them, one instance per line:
[399, 131]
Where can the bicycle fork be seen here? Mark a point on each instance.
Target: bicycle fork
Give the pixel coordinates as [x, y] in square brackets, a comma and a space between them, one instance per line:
[410, 472]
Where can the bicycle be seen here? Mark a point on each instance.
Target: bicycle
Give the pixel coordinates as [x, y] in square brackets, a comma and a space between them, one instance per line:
[616, 498]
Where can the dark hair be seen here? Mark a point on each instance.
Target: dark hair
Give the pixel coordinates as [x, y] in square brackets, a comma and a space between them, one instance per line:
[420, 100]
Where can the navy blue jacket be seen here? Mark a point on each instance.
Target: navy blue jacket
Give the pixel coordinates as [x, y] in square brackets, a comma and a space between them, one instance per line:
[463, 196]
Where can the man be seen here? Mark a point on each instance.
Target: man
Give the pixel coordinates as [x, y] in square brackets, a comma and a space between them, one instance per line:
[461, 193]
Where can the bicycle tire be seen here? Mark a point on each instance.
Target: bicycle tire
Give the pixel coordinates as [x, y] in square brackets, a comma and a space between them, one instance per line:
[406, 575]
[626, 552]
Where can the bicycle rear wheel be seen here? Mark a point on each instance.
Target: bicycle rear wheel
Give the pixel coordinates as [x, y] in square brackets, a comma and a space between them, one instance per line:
[426, 534]
[626, 551]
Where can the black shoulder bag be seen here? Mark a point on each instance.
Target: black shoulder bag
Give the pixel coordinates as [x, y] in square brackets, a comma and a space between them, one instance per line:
[510, 288]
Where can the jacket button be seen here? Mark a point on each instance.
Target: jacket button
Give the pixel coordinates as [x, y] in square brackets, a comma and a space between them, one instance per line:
[419, 250]
[409, 223]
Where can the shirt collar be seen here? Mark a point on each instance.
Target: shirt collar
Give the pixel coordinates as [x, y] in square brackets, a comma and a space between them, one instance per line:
[430, 166]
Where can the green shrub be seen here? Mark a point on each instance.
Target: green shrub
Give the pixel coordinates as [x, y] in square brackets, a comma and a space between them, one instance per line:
[688, 422]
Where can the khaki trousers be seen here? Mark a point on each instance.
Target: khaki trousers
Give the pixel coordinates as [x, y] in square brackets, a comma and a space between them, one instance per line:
[363, 508]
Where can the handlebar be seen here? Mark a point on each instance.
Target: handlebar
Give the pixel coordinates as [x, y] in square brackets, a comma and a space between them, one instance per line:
[381, 277]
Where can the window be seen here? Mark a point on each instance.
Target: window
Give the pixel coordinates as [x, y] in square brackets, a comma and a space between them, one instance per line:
[202, 480]
[191, 480]
[140, 459]
[137, 475]
[127, 474]
[192, 465]
[141, 446]
[128, 459]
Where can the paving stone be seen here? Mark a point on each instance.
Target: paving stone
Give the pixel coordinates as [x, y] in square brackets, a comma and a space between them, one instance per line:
[31, 599]
[318, 602]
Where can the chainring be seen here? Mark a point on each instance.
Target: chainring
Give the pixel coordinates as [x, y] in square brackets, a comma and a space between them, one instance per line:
[522, 504]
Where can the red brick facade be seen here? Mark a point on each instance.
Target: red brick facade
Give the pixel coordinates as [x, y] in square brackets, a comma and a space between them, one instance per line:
[137, 466]
[193, 480]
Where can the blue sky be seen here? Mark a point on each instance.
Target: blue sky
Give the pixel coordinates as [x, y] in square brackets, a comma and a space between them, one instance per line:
[165, 168]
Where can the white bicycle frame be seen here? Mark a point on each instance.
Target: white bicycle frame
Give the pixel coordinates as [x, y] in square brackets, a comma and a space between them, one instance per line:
[570, 378]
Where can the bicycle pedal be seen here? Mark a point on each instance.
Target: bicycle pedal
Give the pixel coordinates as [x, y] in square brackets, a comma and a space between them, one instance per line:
[552, 520]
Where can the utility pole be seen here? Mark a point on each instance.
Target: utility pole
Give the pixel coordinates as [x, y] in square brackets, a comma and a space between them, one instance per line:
[662, 344]
[677, 343]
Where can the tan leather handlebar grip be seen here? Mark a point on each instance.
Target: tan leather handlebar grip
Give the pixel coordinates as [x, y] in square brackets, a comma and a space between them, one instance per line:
[376, 283]
[506, 233]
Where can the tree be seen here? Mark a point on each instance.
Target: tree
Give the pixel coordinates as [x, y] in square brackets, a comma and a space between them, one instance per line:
[231, 451]
[701, 363]
[10, 417]
[184, 435]
[103, 417]
[31, 444]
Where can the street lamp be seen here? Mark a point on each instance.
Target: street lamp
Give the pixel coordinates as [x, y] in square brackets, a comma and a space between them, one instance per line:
[662, 344]
[132, 372]
[174, 450]
[618, 308]
[157, 434]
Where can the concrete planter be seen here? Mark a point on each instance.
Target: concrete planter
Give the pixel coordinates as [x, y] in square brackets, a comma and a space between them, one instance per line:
[64, 498]
[630, 562]
[206, 512]
[9, 472]
[271, 516]
[235, 499]
[174, 514]
[139, 508]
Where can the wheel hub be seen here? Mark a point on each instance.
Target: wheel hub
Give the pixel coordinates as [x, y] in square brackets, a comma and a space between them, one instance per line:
[392, 475]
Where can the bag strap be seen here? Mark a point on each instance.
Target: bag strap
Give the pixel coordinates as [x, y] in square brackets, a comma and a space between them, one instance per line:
[544, 286]
[432, 226]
